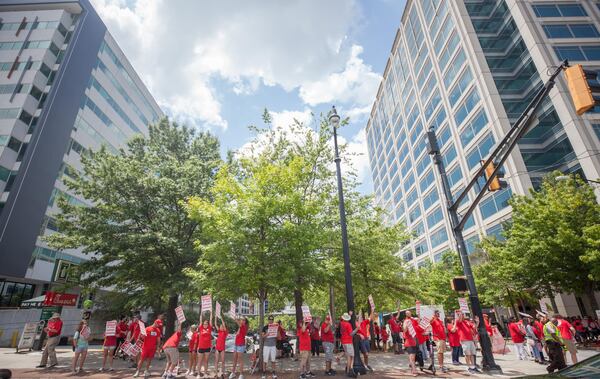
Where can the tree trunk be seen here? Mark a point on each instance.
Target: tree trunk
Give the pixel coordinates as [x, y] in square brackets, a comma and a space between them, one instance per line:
[331, 303]
[171, 317]
[589, 291]
[552, 300]
[298, 299]
[512, 304]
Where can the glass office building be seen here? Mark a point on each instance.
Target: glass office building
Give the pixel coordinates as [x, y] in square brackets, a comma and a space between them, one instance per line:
[469, 68]
[65, 90]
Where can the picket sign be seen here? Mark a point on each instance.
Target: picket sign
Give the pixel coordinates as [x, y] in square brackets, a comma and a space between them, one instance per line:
[180, 315]
[126, 347]
[111, 328]
[462, 305]
[411, 329]
[372, 303]
[418, 307]
[272, 330]
[142, 328]
[232, 310]
[543, 306]
[306, 313]
[85, 332]
[218, 309]
[425, 321]
[206, 303]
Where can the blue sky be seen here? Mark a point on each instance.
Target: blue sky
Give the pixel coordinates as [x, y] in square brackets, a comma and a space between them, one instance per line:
[217, 65]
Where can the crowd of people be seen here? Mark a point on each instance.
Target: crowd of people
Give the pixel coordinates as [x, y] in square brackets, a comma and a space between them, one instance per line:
[546, 340]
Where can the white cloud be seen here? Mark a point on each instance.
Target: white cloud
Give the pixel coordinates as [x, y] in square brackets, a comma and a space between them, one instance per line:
[358, 154]
[181, 47]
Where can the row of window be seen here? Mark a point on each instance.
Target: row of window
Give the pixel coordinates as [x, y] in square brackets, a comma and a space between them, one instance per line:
[578, 53]
[559, 10]
[34, 25]
[118, 110]
[571, 31]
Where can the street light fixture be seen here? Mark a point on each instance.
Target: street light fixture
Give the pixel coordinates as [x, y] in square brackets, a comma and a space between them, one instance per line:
[358, 366]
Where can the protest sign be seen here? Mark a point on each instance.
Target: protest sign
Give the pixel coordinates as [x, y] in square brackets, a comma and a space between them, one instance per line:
[272, 330]
[306, 313]
[543, 306]
[411, 329]
[179, 313]
[418, 307]
[232, 310]
[111, 328]
[462, 305]
[372, 303]
[85, 332]
[218, 309]
[142, 328]
[206, 303]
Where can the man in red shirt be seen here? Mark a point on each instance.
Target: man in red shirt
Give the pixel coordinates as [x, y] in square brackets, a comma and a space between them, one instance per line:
[53, 329]
[466, 330]
[364, 332]
[121, 333]
[346, 334]
[395, 329]
[517, 334]
[328, 342]
[439, 336]
[566, 333]
[304, 345]
[149, 348]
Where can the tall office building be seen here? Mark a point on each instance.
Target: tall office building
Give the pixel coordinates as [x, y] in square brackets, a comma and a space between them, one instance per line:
[469, 68]
[65, 89]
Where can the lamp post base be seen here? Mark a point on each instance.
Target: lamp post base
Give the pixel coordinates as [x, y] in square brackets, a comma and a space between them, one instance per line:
[358, 365]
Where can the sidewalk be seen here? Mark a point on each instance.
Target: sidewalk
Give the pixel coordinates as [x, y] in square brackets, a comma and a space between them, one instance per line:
[386, 366]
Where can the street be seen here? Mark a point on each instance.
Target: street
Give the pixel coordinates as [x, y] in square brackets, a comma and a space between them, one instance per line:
[385, 365]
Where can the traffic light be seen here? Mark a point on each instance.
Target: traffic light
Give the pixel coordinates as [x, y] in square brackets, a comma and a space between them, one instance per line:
[498, 182]
[584, 88]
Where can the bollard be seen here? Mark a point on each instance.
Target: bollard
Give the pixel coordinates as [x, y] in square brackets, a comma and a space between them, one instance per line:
[13, 338]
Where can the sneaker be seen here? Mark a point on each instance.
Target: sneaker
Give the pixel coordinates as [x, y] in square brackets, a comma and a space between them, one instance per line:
[310, 373]
[232, 375]
[264, 376]
[444, 369]
[302, 376]
[241, 376]
[101, 369]
[164, 375]
[471, 370]
[352, 374]
[40, 366]
[369, 368]
[77, 370]
[477, 370]
[273, 376]
[146, 374]
[111, 369]
[53, 365]
[137, 373]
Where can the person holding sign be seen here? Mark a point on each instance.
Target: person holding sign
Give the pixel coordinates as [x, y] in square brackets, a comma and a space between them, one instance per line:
[410, 342]
[269, 334]
[150, 346]
[110, 344]
[193, 350]
[204, 343]
[240, 347]
[134, 333]
[220, 346]
[171, 349]
[466, 330]
[364, 332]
[304, 344]
[439, 336]
[80, 345]
[328, 342]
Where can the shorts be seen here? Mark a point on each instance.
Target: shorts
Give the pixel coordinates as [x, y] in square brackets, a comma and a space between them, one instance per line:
[328, 349]
[109, 348]
[365, 346]
[239, 349]
[411, 349]
[468, 347]
[81, 349]
[269, 353]
[348, 349]
[202, 351]
[148, 353]
[441, 346]
[396, 338]
[304, 357]
[570, 346]
[172, 354]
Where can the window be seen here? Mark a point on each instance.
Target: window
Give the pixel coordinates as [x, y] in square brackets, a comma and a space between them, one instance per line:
[12, 293]
[435, 217]
[473, 127]
[495, 231]
[9, 113]
[449, 155]
[4, 174]
[421, 248]
[408, 182]
[419, 229]
[460, 87]
[411, 198]
[480, 151]
[454, 68]
[471, 244]
[558, 10]
[571, 31]
[25, 117]
[414, 214]
[439, 237]
[454, 176]
[578, 53]
[444, 136]
[495, 203]
[14, 144]
[408, 256]
[466, 107]
[430, 199]
[427, 181]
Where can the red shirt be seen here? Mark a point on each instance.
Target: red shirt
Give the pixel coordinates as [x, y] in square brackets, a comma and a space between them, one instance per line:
[327, 336]
[110, 341]
[564, 328]
[134, 328]
[205, 337]
[173, 341]
[56, 325]
[377, 330]
[314, 332]
[194, 341]
[384, 334]
[538, 329]
[578, 326]
[394, 326]
[516, 334]
[151, 339]
[453, 337]
[221, 337]
[364, 330]
[465, 330]
[345, 332]
[409, 340]
[437, 329]
[420, 331]
[304, 339]
[240, 337]
[488, 327]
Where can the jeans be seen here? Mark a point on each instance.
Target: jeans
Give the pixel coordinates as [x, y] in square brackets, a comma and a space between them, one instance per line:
[536, 352]
[315, 346]
[423, 349]
[520, 351]
[455, 354]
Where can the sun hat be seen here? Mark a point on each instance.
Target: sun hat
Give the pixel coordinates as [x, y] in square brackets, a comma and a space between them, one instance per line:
[55, 315]
[346, 317]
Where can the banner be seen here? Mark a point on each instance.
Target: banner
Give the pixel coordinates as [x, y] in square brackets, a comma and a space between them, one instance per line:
[462, 305]
[372, 303]
[64, 299]
[272, 330]
[543, 306]
[418, 307]
[218, 309]
[206, 303]
[142, 328]
[232, 310]
[111, 328]
[180, 315]
[306, 313]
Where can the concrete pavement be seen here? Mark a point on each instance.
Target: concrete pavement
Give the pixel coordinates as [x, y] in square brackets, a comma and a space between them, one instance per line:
[385, 366]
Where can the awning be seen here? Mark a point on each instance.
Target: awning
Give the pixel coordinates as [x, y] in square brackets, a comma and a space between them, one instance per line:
[36, 302]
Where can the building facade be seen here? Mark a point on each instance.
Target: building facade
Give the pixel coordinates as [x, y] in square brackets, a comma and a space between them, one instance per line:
[65, 89]
[469, 68]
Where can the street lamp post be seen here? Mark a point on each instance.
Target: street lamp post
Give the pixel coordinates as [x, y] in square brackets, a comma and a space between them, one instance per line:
[359, 367]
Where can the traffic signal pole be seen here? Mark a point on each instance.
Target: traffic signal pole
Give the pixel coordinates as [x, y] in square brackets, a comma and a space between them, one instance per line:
[502, 150]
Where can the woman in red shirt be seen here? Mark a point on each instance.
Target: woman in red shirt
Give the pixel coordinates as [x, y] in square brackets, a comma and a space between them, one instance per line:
[171, 349]
[384, 337]
[304, 343]
[410, 342]
[204, 343]
[220, 347]
[193, 350]
[453, 341]
[108, 349]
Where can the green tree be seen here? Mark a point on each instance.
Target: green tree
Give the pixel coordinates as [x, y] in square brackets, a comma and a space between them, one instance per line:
[136, 230]
[551, 234]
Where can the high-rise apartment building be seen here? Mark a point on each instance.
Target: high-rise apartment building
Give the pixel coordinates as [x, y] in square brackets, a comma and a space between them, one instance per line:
[65, 89]
[469, 68]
